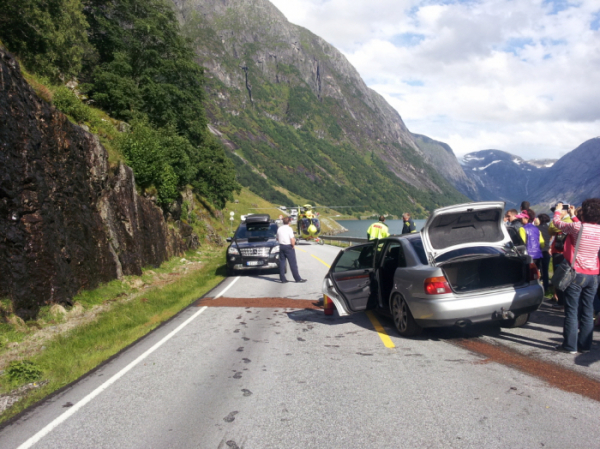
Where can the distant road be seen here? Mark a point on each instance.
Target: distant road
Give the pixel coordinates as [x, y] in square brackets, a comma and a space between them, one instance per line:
[266, 375]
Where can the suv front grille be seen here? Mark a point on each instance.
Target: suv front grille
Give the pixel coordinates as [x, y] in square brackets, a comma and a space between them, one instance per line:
[256, 252]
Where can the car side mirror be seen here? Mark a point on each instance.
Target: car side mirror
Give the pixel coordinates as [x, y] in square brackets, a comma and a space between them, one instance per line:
[229, 239]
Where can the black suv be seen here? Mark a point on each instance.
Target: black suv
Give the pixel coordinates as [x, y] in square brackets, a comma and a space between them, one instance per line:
[254, 245]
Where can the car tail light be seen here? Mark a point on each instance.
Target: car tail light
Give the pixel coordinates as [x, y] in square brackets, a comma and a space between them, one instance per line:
[437, 286]
[534, 273]
[328, 305]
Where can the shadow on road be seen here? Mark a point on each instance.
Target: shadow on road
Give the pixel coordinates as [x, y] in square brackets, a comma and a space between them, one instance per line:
[543, 331]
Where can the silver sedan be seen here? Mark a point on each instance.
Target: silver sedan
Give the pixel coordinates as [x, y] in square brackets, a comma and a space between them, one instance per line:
[462, 268]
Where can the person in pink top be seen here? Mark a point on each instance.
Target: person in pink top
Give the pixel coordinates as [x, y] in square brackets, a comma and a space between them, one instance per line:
[579, 296]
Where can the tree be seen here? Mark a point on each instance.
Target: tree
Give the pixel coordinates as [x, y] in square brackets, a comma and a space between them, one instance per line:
[49, 36]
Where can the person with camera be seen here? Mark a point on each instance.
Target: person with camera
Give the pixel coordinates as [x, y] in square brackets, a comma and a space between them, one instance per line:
[583, 258]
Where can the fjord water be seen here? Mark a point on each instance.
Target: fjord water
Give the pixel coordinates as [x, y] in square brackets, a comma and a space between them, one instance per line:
[358, 228]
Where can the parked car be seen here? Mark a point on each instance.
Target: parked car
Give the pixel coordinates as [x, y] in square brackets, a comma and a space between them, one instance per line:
[253, 245]
[462, 268]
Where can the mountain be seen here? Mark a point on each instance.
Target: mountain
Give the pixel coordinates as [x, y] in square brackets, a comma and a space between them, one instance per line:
[573, 178]
[502, 176]
[498, 175]
[441, 156]
[296, 116]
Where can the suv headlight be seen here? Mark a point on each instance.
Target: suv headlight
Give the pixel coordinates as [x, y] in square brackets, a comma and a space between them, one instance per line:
[233, 250]
[275, 249]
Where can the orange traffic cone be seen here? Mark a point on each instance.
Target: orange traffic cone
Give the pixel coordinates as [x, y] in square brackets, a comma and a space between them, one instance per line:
[328, 305]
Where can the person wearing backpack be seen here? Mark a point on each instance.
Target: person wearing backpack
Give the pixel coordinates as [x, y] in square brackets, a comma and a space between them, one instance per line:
[583, 257]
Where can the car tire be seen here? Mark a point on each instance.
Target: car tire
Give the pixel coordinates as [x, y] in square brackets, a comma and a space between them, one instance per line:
[403, 319]
[230, 271]
[518, 321]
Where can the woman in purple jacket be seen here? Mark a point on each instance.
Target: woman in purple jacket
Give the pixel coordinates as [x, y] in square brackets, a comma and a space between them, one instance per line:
[532, 237]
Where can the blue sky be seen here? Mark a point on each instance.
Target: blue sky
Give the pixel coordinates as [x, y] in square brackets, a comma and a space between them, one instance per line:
[518, 76]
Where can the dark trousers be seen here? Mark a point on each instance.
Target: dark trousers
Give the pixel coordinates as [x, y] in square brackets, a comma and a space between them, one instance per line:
[579, 318]
[286, 252]
[556, 261]
[545, 266]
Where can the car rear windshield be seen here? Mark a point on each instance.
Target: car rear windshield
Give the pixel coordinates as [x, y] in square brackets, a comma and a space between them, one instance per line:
[473, 251]
[417, 244]
[262, 231]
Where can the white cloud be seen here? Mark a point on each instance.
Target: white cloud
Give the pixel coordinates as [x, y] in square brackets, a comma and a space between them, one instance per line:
[513, 75]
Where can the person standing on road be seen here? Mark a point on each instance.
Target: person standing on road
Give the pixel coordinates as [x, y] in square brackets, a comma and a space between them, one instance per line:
[579, 296]
[532, 237]
[409, 225]
[378, 230]
[543, 227]
[558, 246]
[287, 242]
[513, 222]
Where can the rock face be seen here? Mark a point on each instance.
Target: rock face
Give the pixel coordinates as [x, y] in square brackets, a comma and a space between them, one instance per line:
[67, 221]
[250, 50]
[441, 156]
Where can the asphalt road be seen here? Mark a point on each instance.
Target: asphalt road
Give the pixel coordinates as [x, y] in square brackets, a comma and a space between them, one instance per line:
[282, 377]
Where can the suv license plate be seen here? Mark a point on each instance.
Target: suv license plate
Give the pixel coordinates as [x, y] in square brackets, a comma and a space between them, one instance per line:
[254, 263]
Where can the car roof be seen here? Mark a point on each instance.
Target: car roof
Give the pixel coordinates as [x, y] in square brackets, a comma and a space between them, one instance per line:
[258, 218]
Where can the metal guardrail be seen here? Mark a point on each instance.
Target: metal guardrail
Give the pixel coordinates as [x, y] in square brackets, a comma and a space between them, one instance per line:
[343, 239]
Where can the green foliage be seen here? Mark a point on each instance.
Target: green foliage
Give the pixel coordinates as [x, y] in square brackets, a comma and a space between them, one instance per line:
[146, 68]
[257, 184]
[49, 35]
[144, 64]
[66, 100]
[22, 371]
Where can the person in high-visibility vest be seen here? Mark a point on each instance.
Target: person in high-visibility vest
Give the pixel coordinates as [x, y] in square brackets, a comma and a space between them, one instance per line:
[378, 230]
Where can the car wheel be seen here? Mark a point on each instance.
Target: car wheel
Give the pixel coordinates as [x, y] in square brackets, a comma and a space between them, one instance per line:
[518, 321]
[403, 319]
[230, 271]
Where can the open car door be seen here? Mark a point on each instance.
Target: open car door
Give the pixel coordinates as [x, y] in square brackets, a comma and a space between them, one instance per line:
[348, 283]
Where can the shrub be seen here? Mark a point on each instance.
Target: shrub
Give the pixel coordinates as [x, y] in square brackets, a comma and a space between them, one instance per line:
[21, 371]
[66, 100]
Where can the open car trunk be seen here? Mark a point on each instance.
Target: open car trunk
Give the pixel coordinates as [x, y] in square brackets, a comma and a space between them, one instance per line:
[484, 273]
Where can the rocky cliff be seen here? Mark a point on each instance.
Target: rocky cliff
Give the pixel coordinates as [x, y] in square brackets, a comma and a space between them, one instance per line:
[68, 221]
[275, 88]
[441, 156]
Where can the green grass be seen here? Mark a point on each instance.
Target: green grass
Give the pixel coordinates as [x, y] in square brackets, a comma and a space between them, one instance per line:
[71, 355]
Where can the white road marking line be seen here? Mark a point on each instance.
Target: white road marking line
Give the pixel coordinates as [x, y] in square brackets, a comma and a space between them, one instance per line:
[227, 288]
[62, 418]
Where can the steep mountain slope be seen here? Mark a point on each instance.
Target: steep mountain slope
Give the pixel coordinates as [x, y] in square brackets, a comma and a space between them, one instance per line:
[293, 111]
[441, 156]
[573, 178]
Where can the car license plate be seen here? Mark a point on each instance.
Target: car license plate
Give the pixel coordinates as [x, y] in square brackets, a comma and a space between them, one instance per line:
[254, 263]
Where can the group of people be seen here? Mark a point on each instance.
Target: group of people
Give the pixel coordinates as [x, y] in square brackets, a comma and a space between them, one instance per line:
[379, 230]
[571, 237]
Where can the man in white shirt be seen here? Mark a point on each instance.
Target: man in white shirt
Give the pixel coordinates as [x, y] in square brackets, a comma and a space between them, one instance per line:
[287, 241]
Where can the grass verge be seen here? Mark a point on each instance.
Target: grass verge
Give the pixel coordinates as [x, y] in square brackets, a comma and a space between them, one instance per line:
[69, 356]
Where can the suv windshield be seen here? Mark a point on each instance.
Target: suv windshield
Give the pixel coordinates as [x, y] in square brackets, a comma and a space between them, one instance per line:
[262, 231]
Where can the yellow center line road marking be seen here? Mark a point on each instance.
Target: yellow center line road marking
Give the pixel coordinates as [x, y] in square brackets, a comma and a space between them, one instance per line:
[387, 341]
[300, 249]
[324, 263]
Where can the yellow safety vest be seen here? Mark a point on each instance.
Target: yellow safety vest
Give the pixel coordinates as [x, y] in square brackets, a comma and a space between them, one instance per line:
[378, 231]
